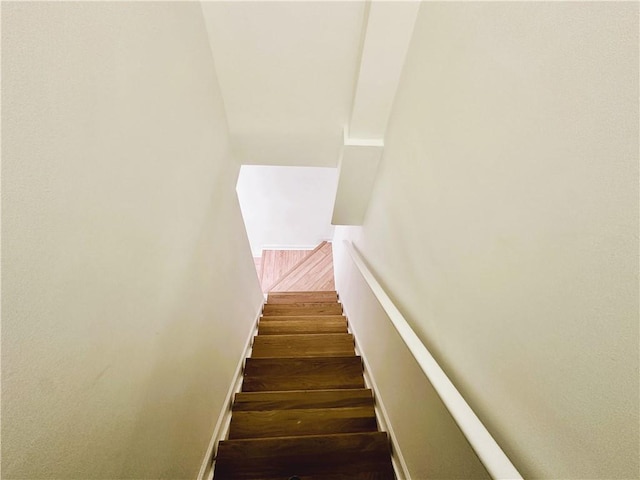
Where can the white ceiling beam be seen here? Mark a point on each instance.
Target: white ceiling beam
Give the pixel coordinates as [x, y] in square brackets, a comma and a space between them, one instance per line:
[357, 170]
[356, 175]
[388, 33]
[389, 28]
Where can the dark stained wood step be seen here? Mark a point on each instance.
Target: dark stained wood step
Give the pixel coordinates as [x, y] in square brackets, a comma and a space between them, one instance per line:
[317, 456]
[302, 421]
[302, 309]
[248, 401]
[302, 297]
[311, 373]
[284, 327]
[311, 345]
[331, 476]
[306, 318]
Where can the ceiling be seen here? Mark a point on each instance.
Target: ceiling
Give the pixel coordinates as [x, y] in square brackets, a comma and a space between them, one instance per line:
[287, 71]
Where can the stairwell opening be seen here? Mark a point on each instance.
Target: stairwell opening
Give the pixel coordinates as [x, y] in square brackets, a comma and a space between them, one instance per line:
[287, 214]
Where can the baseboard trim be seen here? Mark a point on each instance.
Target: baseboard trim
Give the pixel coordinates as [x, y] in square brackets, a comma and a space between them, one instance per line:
[224, 419]
[397, 459]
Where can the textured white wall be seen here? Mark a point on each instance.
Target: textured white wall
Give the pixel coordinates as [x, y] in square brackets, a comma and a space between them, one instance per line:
[286, 207]
[128, 284]
[504, 222]
[430, 442]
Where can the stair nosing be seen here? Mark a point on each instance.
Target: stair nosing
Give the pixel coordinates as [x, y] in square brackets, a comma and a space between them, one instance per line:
[308, 437]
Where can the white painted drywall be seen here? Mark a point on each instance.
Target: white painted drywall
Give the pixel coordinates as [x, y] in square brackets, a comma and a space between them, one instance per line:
[429, 441]
[504, 223]
[357, 174]
[386, 37]
[287, 72]
[286, 207]
[128, 285]
[388, 32]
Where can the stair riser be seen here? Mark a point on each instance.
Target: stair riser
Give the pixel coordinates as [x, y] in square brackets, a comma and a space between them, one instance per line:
[308, 352]
[282, 328]
[315, 456]
[289, 346]
[314, 467]
[267, 374]
[303, 309]
[317, 382]
[300, 297]
[284, 423]
[301, 318]
[240, 430]
[302, 399]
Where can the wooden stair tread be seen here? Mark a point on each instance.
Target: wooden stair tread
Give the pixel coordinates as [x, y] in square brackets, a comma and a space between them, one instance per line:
[302, 373]
[302, 309]
[314, 456]
[252, 401]
[302, 421]
[303, 345]
[306, 318]
[302, 297]
[283, 327]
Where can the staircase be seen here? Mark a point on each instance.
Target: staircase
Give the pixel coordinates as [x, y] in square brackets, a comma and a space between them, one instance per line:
[303, 412]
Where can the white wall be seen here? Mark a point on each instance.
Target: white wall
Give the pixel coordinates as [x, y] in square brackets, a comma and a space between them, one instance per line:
[129, 287]
[357, 169]
[389, 28]
[286, 207]
[504, 223]
[431, 443]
